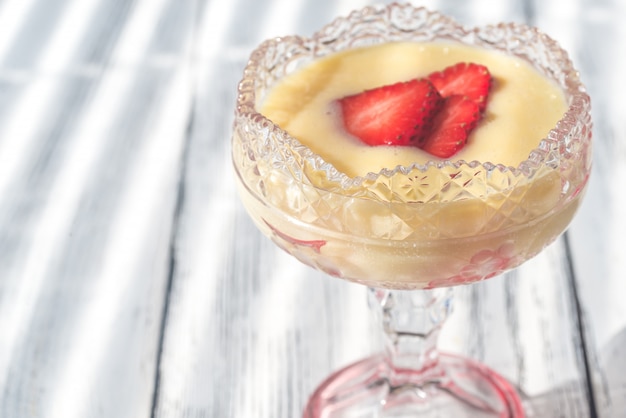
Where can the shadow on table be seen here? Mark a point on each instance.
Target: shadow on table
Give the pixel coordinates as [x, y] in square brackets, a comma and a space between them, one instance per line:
[612, 377]
[609, 384]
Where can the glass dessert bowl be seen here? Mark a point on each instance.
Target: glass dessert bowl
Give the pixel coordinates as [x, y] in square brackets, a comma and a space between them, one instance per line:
[410, 232]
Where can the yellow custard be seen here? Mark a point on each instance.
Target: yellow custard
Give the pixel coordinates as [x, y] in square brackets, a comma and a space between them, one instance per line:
[522, 106]
[424, 226]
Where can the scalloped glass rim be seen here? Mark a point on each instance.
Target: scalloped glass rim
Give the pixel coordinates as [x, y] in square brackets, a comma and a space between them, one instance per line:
[490, 36]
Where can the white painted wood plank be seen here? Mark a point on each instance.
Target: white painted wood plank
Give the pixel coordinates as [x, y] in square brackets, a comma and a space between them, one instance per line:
[598, 44]
[93, 144]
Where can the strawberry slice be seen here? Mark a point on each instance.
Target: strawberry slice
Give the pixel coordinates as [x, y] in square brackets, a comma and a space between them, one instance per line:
[452, 125]
[397, 114]
[465, 79]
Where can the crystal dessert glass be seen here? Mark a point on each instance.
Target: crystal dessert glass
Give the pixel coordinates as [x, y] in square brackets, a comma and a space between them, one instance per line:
[410, 233]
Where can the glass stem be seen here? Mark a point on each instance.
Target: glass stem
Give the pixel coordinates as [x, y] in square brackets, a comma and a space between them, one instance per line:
[412, 320]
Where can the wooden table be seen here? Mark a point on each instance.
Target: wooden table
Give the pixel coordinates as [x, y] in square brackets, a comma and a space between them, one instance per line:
[133, 284]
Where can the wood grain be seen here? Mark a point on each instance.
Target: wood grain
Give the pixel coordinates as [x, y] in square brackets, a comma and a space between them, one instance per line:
[596, 233]
[93, 124]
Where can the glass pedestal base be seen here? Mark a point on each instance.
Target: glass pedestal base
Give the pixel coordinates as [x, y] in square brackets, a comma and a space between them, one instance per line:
[454, 387]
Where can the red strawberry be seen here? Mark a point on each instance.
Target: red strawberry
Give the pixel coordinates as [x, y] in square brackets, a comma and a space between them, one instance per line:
[398, 114]
[451, 127]
[465, 79]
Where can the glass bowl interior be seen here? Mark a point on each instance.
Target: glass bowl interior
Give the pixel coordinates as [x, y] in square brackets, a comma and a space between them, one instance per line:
[297, 197]
[565, 151]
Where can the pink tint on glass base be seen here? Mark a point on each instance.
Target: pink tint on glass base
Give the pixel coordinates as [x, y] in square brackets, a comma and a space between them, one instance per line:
[447, 389]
